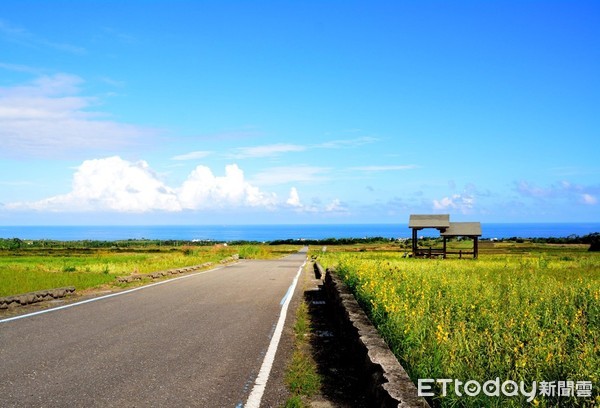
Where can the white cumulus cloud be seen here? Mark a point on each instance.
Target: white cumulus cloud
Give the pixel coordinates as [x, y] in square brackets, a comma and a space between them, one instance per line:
[336, 206]
[116, 185]
[563, 190]
[461, 202]
[203, 189]
[111, 184]
[294, 198]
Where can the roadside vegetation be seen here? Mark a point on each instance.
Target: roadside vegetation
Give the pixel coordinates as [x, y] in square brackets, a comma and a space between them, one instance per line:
[302, 377]
[524, 311]
[27, 266]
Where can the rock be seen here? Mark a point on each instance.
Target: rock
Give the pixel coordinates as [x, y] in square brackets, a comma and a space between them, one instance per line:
[59, 293]
[26, 299]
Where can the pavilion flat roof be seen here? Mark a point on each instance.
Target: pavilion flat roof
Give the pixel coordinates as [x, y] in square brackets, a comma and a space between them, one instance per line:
[466, 229]
[429, 221]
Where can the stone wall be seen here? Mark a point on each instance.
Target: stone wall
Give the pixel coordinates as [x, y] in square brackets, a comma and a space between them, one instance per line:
[34, 297]
[50, 294]
[176, 271]
[387, 382]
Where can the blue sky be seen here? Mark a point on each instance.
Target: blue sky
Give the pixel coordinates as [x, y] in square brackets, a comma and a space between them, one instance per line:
[222, 112]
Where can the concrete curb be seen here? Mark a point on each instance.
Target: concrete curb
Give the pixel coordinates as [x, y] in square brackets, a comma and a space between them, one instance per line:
[319, 271]
[387, 381]
[34, 297]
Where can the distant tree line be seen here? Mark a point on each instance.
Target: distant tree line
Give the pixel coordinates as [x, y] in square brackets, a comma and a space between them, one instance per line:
[332, 241]
[592, 239]
[17, 243]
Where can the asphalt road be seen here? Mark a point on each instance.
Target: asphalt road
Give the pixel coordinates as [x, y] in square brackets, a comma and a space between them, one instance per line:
[193, 342]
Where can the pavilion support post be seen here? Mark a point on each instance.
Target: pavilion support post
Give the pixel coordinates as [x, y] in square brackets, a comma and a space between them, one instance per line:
[475, 247]
[444, 247]
[414, 242]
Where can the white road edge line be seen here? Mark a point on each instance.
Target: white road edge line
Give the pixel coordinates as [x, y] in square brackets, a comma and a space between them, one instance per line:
[54, 309]
[287, 294]
[265, 370]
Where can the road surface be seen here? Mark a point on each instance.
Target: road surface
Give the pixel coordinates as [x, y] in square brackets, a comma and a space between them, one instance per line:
[198, 341]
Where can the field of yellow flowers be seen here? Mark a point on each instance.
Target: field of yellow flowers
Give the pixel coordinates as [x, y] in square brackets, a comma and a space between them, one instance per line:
[524, 317]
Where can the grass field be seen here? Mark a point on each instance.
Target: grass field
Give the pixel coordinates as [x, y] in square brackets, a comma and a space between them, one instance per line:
[520, 312]
[26, 270]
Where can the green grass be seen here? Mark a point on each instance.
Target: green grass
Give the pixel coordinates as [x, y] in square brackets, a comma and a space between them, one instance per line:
[28, 270]
[294, 402]
[33, 280]
[302, 378]
[519, 312]
[254, 252]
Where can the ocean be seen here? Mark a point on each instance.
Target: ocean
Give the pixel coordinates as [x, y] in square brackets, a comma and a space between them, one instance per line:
[276, 232]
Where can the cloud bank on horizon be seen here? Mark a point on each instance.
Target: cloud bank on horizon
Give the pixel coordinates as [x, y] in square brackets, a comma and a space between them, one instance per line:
[114, 184]
[295, 113]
